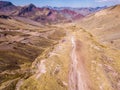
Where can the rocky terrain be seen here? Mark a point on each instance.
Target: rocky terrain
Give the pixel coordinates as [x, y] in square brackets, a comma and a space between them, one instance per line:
[78, 55]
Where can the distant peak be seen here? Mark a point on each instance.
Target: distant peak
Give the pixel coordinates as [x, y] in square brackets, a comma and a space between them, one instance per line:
[31, 5]
[115, 8]
[5, 3]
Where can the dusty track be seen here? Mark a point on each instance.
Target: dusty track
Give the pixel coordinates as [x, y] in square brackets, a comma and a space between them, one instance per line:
[78, 79]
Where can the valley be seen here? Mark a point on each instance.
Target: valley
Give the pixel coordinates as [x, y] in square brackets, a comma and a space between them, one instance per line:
[52, 49]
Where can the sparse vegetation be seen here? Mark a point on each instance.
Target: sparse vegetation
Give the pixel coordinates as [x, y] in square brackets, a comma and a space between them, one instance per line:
[43, 56]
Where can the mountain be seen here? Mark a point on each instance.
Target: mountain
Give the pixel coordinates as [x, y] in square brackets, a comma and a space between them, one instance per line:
[7, 8]
[26, 9]
[89, 10]
[6, 4]
[45, 15]
[71, 14]
[100, 32]
[84, 59]
[105, 24]
[84, 11]
[42, 15]
[80, 55]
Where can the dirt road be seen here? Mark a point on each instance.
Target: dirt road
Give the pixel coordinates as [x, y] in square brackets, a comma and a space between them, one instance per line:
[78, 79]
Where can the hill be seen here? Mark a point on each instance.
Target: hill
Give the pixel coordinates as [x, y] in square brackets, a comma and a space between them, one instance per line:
[79, 55]
[105, 25]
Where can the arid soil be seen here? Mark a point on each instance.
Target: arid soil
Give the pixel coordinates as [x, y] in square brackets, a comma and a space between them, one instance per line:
[78, 79]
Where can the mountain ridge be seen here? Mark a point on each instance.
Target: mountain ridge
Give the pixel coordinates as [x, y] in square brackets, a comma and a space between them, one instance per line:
[76, 55]
[44, 14]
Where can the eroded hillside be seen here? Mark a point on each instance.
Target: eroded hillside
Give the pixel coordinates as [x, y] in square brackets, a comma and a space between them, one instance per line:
[20, 45]
[81, 55]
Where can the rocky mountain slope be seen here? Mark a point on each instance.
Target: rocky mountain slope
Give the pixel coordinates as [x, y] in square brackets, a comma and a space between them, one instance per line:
[42, 15]
[7, 8]
[82, 55]
[71, 15]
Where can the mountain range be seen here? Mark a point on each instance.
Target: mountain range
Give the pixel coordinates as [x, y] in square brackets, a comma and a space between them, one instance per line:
[51, 48]
[45, 14]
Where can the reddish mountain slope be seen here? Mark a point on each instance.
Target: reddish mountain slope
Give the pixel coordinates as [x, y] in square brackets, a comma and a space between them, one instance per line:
[7, 8]
[71, 14]
[43, 15]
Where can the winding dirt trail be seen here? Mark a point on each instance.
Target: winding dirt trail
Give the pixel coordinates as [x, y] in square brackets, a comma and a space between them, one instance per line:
[78, 79]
